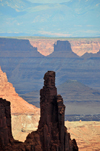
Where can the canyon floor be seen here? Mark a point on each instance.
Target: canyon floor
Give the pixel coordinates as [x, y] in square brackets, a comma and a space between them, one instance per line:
[86, 133]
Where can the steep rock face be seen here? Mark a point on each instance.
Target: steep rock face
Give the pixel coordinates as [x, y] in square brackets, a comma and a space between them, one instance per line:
[21, 111]
[79, 46]
[18, 105]
[7, 143]
[10, 47]
[44, 46]
[23, 124]
[54, 134]
[88, 45]
[51, 135]
[5, 123]
[63, 49]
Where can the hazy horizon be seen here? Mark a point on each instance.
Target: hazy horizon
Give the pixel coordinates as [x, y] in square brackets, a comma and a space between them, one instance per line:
[55, 18]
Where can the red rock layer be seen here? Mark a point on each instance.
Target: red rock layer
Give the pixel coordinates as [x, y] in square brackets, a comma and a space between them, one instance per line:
[51, 135]
[5, 123]
[79, 46]
[18, 105]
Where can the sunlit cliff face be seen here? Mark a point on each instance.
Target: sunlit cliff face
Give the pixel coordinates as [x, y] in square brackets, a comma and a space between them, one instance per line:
[79, 46]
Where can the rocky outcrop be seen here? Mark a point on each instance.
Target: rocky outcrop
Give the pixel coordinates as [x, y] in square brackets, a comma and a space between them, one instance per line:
[5, 123]
[52, 131]
[63, 49]
[18, 105]
[85, 45]
[44, 46]
[7, 142]
[21, 111]
[79, 46]
[23, 124]
[51, 135]
[10, 47]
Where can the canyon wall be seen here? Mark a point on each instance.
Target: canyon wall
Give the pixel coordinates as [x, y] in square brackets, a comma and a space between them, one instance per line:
[23, 124]
[25, 66]
[79, 45]
[5, 123]
[25, 70]
[24, 115]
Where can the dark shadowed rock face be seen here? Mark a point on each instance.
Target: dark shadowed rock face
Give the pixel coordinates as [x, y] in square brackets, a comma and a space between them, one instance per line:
[63, 49]
[62, 45]
[10, 47]
[5, 123]
[51, 135]
[52, 131]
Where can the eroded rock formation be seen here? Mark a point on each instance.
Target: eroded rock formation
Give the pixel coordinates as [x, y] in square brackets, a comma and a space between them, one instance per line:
[54, 134]
[51, 135]
[18, 105]
[25, 116]
[63, 49]
[79, 46]
[5, 123]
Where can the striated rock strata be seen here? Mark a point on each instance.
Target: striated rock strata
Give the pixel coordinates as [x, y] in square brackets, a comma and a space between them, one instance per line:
[79, 45]
[51, 135]
[25, 116]
[18, 105]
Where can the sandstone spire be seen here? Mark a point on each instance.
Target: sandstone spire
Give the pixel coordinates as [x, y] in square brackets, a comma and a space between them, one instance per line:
[52, 131]
[51, 135]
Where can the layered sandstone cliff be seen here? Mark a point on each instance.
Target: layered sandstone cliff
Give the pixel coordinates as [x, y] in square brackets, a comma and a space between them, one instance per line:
[25, 116]
[18, 105]
[79, 46]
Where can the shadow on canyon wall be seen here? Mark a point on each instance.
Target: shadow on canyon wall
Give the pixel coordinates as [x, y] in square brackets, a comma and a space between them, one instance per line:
[25, 68]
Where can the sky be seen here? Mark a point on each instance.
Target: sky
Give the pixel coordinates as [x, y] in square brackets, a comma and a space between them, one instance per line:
[51, 18]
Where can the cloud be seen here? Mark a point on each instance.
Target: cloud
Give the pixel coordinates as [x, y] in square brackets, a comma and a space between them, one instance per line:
[54, 34]
[89, 25]
[19, 24]
[48, 1]
[10, 32]
[90, 31]
[97, 4]
[78, 25]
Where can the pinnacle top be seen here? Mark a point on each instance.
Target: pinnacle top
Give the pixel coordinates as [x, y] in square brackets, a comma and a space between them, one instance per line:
[49, 79]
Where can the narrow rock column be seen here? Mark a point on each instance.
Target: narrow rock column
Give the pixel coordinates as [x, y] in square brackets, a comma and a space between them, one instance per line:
[53, 133]
[61, 111]
[5, 123]
[47, 99]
